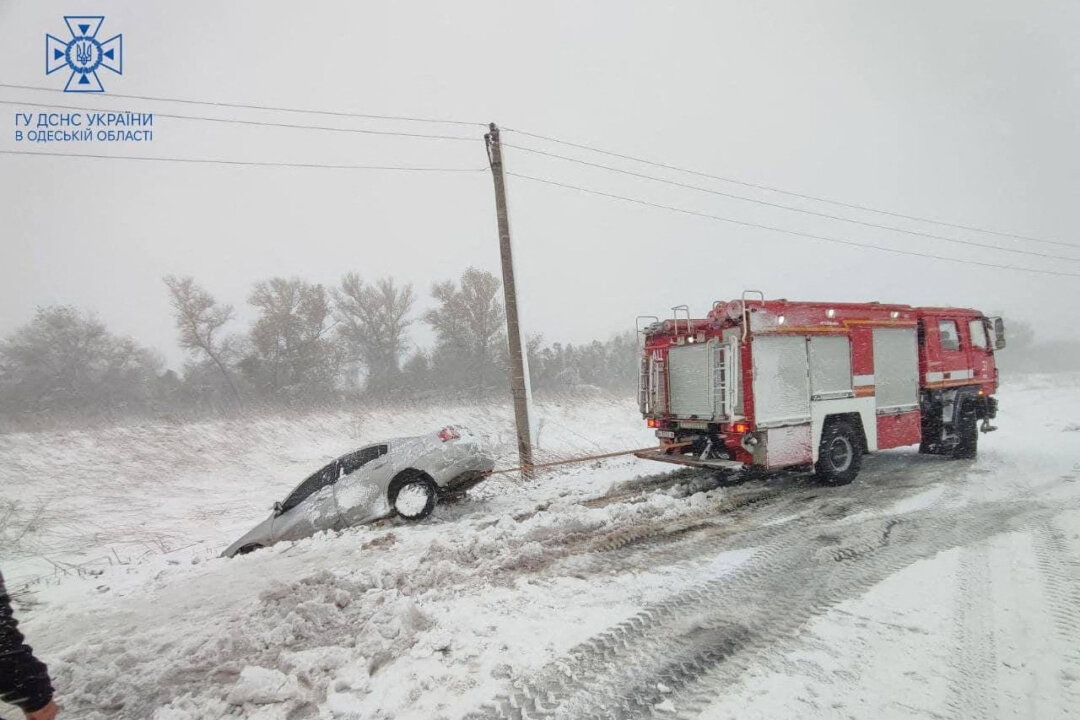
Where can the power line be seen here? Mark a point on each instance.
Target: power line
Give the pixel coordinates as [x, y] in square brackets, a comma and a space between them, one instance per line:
[796, 233]
[235, 121]
[792, 208]
[216, 161]
[804, 196]
[244, 106]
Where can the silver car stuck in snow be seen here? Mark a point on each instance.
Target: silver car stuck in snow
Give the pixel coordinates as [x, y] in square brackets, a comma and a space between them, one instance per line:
[404, 476]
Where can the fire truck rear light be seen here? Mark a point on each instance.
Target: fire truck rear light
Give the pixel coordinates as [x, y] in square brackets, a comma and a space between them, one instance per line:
[740, 427]
[653, 423]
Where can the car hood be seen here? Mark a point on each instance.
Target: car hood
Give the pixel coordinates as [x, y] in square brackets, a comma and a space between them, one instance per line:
[260, 534]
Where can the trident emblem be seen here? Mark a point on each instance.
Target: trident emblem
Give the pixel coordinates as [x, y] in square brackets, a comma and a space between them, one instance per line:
[82, 53]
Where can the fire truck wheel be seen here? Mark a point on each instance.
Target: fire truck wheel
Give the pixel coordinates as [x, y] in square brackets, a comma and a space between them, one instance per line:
[839, 455]
[930, 444]
[967, 431]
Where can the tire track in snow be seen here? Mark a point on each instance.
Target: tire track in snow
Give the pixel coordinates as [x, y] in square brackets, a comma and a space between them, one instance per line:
[702, 693]
[708, 635]
[752, 515]
[973, 663]
[1060, 570]
[668, 545]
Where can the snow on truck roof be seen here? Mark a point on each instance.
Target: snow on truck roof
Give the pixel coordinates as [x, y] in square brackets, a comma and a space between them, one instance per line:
[730, 313]
[849, 309]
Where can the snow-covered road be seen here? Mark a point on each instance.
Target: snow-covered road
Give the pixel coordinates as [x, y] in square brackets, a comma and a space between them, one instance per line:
[928, 587]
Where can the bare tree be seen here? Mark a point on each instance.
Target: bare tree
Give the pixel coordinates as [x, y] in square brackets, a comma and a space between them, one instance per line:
[66, 361]
[416, 374]
[470, 351]
[200, 319]
[292, 354]
[373, 320]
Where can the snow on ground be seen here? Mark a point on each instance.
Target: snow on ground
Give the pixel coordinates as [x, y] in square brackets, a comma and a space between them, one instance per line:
[928, 587]
[85, 500]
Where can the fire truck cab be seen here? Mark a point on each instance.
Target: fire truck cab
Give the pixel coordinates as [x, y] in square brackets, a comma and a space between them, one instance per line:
[775, 384]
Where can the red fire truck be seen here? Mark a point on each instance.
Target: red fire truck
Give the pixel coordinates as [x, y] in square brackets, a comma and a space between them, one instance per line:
[774, 384]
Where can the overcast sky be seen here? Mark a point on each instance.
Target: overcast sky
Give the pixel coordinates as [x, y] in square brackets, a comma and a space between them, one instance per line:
[962, 111]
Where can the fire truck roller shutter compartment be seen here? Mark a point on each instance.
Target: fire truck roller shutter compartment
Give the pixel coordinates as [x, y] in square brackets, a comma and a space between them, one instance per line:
[832, 392]
[782, 397]
[896, 377]
[830, 367]
[690, 372]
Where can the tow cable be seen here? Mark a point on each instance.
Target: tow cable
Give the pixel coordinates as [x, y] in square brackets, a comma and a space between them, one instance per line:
[585, 458]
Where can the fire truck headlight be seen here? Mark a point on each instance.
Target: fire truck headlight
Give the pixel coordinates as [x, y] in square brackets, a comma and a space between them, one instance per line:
[780, 320]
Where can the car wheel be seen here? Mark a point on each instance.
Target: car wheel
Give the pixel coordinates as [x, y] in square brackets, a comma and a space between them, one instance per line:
[839, 455]
[414, 499]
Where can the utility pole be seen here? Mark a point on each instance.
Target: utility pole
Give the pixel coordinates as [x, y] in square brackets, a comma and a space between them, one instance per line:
[518, 380]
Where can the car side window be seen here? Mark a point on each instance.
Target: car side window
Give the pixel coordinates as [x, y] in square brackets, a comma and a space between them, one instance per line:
[978, 334]
[950, 337]
[354, 461]
[327, 476]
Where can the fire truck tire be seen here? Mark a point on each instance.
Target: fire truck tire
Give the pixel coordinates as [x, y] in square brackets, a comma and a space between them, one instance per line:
[930, 444]
[967, 431]
[839, 455]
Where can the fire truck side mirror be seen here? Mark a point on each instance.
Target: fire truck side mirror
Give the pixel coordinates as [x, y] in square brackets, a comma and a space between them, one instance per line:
[999, 332]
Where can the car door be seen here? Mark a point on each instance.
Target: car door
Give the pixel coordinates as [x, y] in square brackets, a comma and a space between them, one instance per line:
[309, 508]
[360, 494]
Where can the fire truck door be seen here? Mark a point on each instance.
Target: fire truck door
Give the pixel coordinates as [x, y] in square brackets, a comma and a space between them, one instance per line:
[951, 362]
[981, 355]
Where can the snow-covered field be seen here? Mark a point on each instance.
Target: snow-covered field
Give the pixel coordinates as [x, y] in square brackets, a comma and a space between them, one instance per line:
[615, 589]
